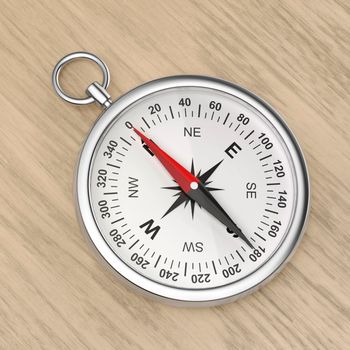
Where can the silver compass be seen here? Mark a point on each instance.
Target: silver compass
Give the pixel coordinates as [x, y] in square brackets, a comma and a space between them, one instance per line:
[192, 189]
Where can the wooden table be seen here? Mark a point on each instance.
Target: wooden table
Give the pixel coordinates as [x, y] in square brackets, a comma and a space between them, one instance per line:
[53, 292]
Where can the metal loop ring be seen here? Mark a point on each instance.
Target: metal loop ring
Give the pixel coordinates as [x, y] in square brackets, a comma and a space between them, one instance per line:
[73, 56]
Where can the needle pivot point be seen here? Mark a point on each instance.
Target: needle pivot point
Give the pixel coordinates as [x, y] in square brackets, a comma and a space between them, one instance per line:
[194, 185]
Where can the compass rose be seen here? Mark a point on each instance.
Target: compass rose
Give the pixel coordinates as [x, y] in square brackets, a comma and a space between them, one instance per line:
[182, 197]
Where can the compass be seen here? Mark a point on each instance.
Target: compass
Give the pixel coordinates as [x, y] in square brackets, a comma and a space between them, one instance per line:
[192, 189]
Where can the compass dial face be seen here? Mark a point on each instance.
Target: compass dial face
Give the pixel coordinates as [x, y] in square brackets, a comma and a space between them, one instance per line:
[160, 230]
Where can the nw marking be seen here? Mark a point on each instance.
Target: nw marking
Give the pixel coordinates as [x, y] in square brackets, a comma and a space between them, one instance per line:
[133, 187]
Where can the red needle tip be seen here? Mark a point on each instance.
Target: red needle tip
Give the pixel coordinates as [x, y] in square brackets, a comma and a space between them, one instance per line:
[182, 176]
[139, 133]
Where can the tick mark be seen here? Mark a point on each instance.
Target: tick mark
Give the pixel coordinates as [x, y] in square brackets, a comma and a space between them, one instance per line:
[125, 141]
[155, 265]
[246, 138]
[239, 255]
[271, 211]
[263, 158]
[115, 221]
[171, 112]
[228, 114]
[134, 244]
[261, 237]
[114, 166]
[146, 122]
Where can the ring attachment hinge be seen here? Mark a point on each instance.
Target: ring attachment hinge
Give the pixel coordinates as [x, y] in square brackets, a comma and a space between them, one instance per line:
[96, 92]
[99, 94]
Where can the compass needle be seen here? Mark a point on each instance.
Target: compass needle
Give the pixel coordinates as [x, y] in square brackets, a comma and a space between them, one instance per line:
[193, 187]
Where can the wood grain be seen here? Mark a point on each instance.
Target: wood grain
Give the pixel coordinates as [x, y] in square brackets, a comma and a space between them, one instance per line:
[53, 293]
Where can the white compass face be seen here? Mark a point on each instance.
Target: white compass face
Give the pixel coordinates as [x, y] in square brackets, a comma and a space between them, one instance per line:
[177, 236]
